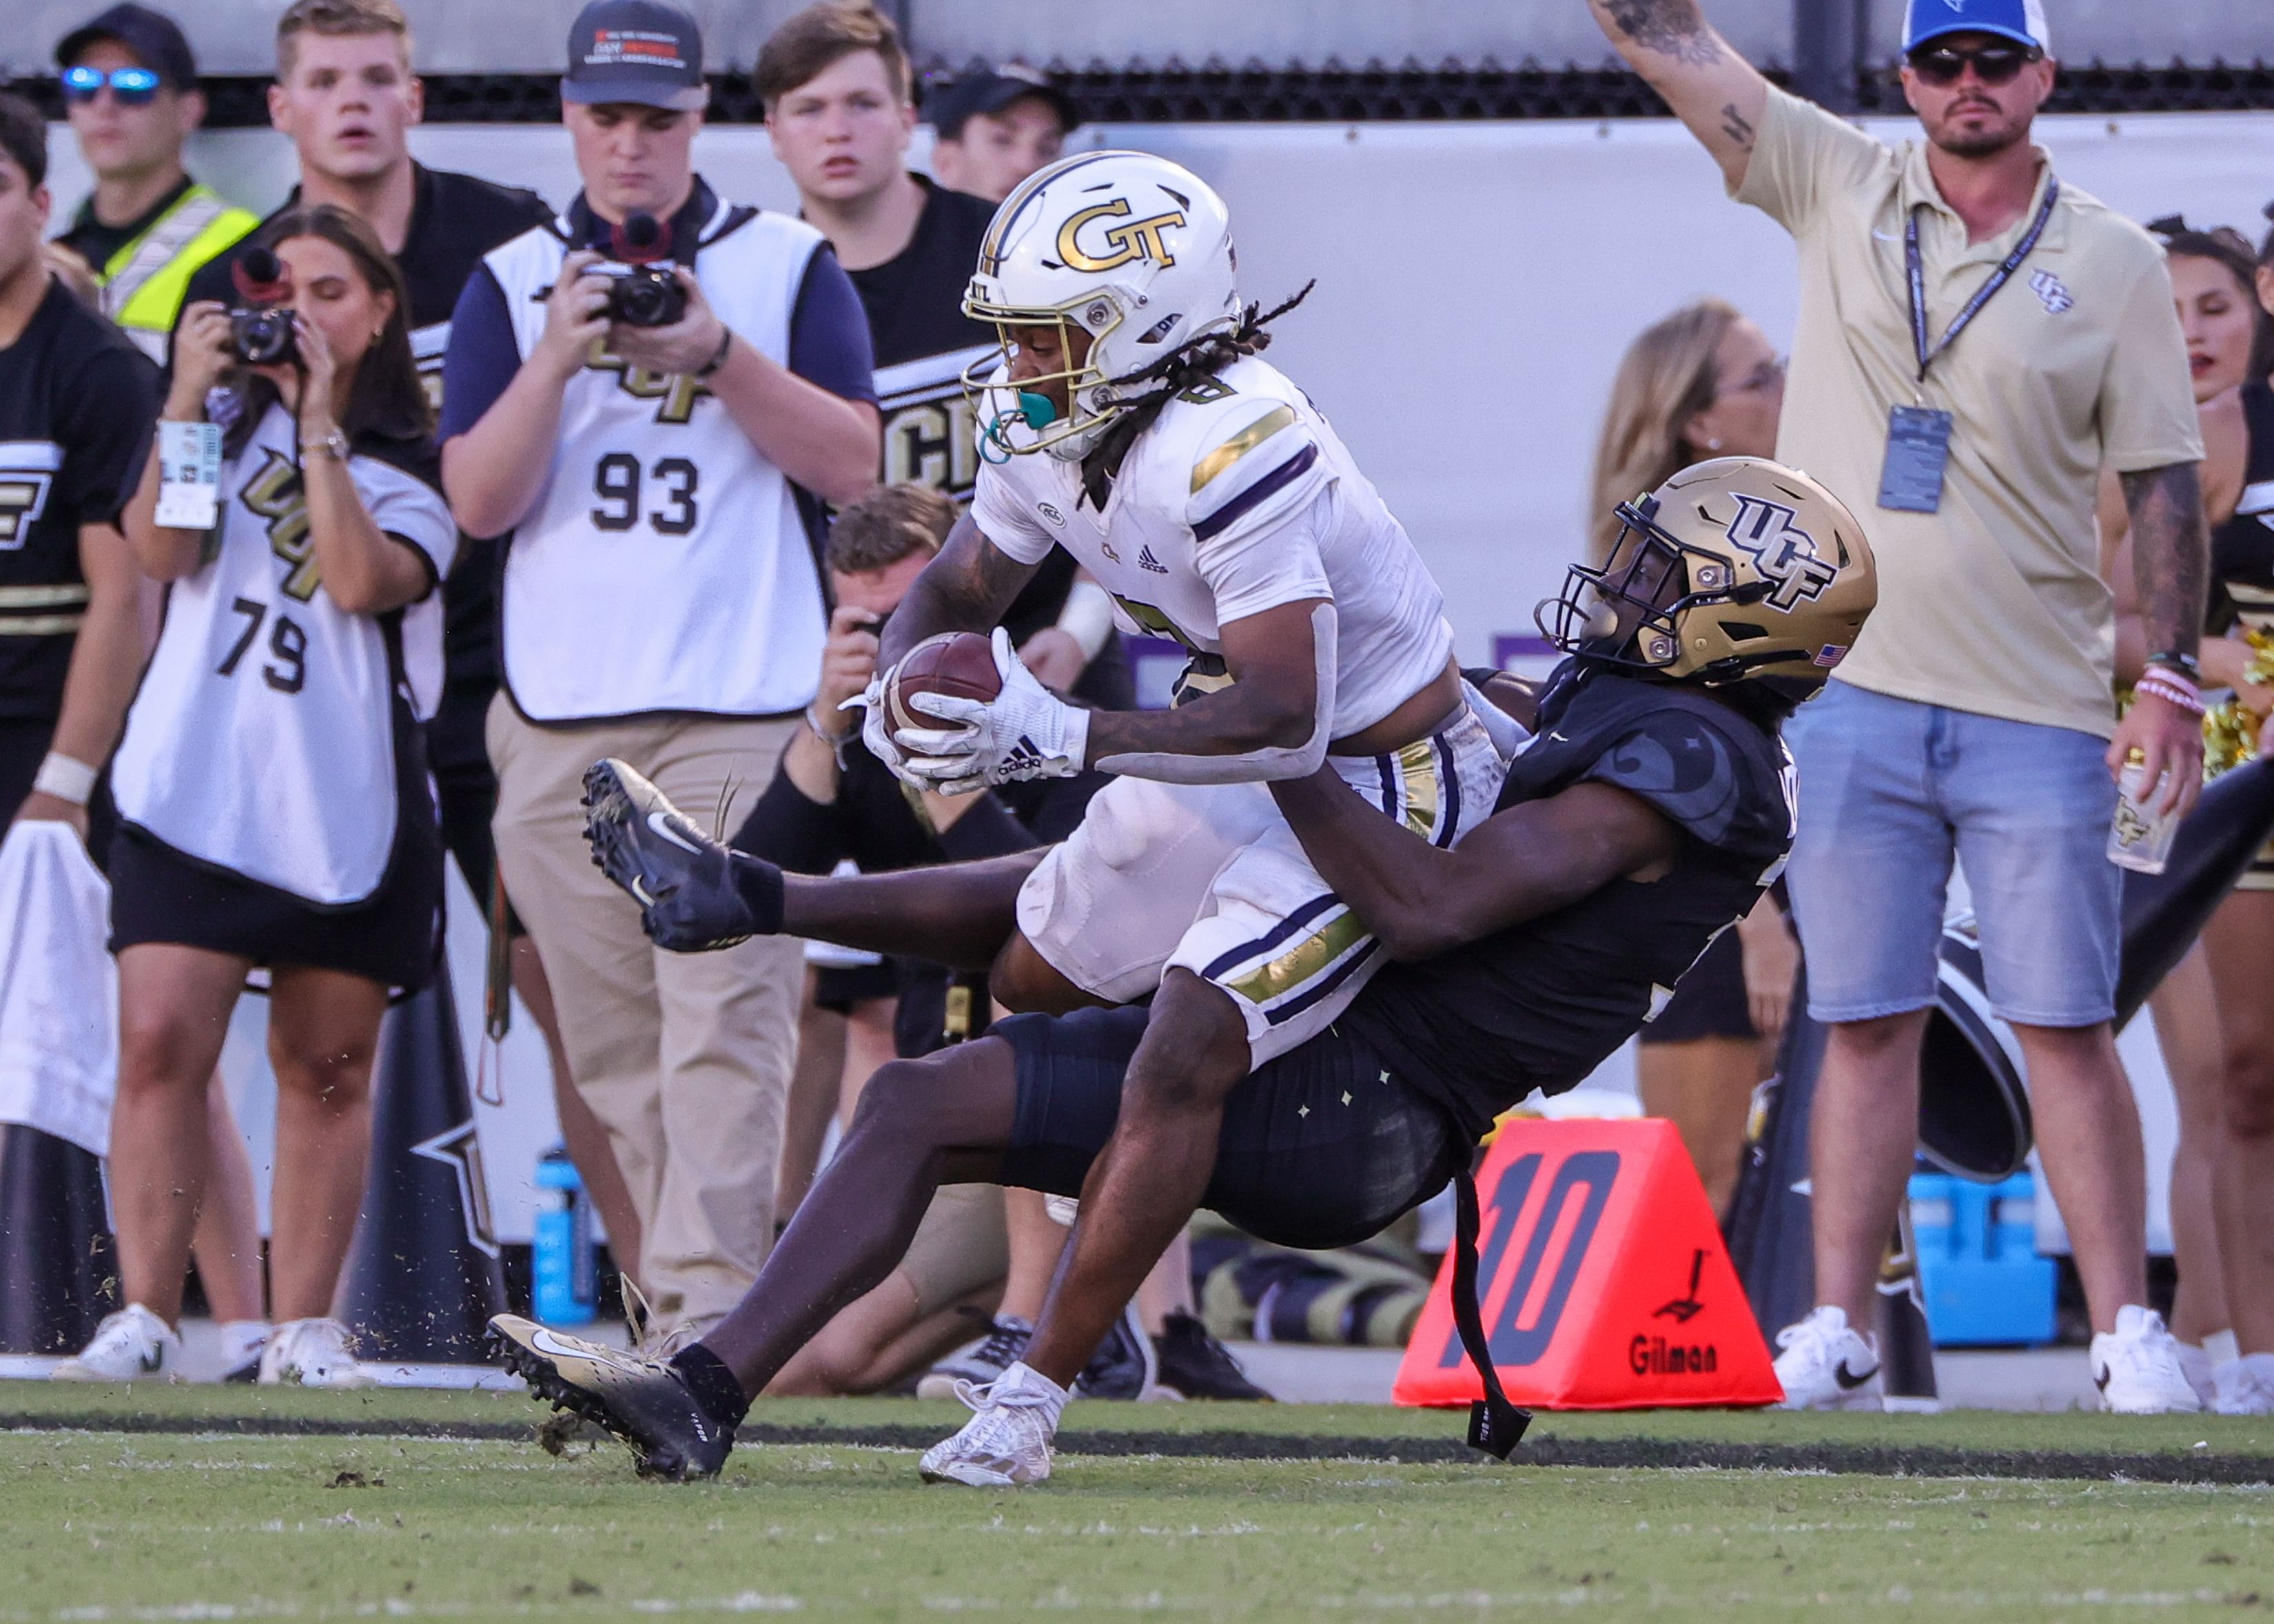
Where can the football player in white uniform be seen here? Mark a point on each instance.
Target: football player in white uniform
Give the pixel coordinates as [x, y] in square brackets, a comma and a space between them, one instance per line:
[1128, 420]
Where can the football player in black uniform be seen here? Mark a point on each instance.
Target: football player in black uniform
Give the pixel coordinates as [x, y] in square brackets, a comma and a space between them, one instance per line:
[1647, 814]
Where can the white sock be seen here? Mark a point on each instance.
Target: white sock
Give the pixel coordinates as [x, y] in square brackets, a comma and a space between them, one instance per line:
[2220, 1346]
[241, 1339]
[1037, 1391]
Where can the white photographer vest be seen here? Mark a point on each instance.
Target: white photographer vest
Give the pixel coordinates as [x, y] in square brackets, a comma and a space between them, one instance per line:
[664, 567]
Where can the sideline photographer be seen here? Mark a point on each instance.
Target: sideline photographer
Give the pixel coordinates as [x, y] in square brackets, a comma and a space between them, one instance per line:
[272, 785]
[662, 601]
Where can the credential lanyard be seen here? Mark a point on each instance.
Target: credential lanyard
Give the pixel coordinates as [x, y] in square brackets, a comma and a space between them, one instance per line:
[1929, 354]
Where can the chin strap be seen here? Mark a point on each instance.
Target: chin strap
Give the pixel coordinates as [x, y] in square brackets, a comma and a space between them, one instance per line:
[1496, 1425]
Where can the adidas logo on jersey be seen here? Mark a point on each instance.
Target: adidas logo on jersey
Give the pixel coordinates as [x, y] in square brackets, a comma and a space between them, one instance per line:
[1146, 560]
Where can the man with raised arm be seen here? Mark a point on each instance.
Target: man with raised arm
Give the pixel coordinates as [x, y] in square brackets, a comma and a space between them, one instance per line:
[1977, 339]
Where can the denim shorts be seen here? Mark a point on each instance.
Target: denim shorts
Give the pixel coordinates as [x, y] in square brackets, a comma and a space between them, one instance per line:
[1889, 790]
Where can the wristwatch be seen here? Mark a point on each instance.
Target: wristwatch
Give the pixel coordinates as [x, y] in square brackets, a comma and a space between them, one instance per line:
[336, 443]
[2172, 659]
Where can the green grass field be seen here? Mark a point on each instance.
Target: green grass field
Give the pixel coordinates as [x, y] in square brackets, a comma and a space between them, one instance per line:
[208, 1503]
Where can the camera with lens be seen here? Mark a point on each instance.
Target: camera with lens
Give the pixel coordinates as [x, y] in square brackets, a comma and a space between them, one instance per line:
[643, 296]
[642, 291]
[261, 326]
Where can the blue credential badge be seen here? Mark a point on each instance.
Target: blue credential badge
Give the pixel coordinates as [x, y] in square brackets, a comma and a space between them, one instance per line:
[1918, 450]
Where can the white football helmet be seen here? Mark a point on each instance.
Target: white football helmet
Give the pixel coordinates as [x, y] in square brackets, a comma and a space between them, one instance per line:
[1133, 250]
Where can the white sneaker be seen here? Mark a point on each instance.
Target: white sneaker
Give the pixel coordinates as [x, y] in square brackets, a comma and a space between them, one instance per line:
[1825, 1365]
[1007, 1441]
[130, 1345]
[2136, 1367]
[313, 1353]
[2196, 1366]
[2246, 1386]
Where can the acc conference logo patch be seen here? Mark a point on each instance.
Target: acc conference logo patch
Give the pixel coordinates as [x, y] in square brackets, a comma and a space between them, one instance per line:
[1784, 553]
[28, 474]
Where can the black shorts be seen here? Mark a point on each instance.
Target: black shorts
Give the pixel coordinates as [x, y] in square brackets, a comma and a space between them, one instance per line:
[394, 937]
[840, 987]
[1320, 1147]
[1709, 1000]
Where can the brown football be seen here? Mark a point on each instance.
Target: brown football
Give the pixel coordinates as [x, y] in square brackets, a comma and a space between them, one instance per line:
[961, 664]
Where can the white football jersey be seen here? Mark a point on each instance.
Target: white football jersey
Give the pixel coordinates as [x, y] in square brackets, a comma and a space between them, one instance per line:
[262, 739]
[1239, 498]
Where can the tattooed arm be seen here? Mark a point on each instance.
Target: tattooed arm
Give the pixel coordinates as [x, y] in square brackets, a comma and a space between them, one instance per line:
[1711, 88]
[966, 588]
[2171, 554]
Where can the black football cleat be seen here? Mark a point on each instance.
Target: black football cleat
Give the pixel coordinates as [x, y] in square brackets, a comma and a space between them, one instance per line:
[1195, 1365]
[644, 1401]
[683, 879]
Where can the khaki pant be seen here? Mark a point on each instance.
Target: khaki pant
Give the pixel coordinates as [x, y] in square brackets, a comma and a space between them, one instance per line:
[684, 1058]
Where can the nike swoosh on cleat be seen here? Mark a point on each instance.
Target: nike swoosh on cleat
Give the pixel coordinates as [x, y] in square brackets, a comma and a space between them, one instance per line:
[552, 1347]
[1848, 1379]
[660, 821]
[152, 1360]
[2100, 1377]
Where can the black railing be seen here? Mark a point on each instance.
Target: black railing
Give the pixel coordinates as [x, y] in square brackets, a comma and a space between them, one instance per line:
[1214, 92]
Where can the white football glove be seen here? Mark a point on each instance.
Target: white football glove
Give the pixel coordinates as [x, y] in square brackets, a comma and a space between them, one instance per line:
[877, 733]
[1026, 732]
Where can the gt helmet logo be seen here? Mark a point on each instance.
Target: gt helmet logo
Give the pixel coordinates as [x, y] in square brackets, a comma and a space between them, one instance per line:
[1782, 551]
[1140, 239]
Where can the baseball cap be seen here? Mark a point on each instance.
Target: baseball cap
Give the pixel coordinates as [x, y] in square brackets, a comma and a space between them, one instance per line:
[645, 51]
[2023, 21]
[154, 37]
[990, 88]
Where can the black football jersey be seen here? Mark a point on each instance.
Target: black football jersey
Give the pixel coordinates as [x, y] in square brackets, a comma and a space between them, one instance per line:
[2242, 549]
[1541, 1003]
[76, 401]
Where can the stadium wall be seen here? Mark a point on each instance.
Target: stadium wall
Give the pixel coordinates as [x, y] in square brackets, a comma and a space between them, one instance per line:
[1477, 284]
[231, 36]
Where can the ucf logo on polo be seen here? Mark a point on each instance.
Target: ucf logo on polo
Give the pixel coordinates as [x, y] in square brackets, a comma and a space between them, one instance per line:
[1783, 552]
[1136, 239]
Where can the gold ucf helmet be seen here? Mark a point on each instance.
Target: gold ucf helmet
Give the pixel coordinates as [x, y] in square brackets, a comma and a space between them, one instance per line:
[1733, 569]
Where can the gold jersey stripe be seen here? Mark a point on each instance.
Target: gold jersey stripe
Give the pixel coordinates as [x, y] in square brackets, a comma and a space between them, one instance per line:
[1240, 444]
[1302, 962]
[1417, 765]
[40, 625]
[40, 596]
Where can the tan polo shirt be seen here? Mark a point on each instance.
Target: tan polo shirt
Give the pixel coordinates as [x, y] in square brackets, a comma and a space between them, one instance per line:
[1994, 603]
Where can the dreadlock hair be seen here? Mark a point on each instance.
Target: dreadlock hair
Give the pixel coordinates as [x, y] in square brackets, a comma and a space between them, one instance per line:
[1179, 370]
[2226, 246]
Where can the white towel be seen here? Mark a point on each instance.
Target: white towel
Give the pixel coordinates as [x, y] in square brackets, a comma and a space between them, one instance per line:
[58, 988]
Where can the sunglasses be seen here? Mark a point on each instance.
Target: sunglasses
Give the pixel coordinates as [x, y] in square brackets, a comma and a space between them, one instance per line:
[1943, 65]
[132, 85]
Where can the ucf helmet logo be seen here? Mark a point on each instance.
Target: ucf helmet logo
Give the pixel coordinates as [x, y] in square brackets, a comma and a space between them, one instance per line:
[1138, 239]
[1784, 553]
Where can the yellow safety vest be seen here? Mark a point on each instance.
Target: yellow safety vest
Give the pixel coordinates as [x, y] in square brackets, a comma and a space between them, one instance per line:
[145, 282]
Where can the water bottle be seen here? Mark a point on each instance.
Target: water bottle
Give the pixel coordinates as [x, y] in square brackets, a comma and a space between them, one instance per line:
[563, 1266]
